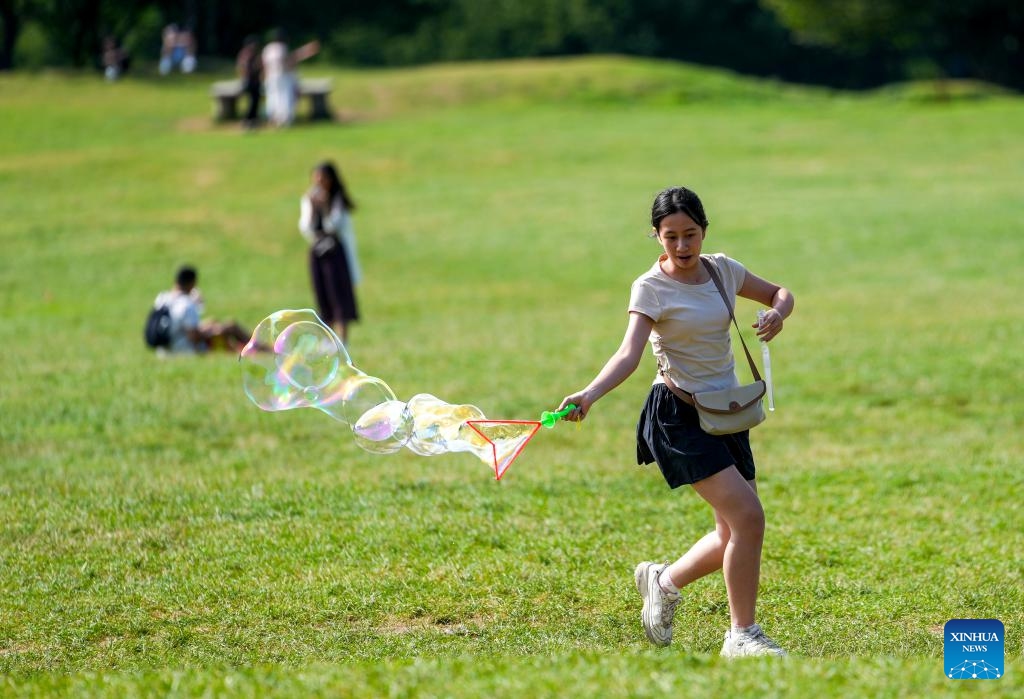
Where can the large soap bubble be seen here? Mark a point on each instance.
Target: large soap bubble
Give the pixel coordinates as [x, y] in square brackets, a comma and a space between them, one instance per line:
[295, 361]
[385, 428]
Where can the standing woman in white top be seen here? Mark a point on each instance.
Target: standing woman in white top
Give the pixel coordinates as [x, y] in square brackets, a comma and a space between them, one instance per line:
[676, 306]
[325, 221]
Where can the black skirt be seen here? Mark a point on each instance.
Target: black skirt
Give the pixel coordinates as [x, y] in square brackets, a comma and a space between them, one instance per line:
[669, 433]
[332, 285]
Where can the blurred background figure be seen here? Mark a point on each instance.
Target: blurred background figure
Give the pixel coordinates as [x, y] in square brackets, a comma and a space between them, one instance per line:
[178, 49]
[325, 221]
[114, 58]
[280, 81]
[249, 66]
[186, 332]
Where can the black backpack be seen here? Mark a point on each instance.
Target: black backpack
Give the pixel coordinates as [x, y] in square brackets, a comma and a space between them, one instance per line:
[158, 327]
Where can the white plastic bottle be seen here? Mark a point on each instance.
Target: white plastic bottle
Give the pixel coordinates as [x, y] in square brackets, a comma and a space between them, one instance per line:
[766, 361]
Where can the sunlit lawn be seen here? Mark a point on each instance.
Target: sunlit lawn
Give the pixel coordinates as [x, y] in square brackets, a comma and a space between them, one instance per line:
[162, 536]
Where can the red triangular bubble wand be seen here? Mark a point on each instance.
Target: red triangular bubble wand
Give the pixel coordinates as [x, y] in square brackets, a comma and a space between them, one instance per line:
[508, 438]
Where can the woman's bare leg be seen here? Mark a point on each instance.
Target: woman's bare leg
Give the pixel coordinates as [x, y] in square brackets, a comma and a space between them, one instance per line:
[736, 503]
[341, 328]
[705, 556]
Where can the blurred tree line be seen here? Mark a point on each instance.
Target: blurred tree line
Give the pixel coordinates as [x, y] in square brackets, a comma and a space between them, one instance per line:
[843, 43]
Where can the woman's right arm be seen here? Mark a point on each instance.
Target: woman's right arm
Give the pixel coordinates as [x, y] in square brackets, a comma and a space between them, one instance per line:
[306, 219]
[616, 370]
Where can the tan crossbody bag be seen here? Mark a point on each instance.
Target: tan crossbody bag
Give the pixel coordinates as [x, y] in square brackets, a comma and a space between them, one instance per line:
[732, 409]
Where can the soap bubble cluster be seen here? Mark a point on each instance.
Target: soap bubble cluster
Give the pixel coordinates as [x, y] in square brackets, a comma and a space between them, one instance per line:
[295, 361]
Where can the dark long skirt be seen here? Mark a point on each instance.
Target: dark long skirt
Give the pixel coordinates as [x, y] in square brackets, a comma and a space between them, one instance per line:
[332, 285]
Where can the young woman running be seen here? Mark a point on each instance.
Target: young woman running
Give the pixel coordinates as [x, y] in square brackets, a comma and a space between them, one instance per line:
[677, 307]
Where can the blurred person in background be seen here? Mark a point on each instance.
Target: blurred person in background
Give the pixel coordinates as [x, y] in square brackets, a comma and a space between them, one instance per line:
[187, 332]
[325, 221]
[114, 58]
[178, 50]
[280, 81]
[249, 66]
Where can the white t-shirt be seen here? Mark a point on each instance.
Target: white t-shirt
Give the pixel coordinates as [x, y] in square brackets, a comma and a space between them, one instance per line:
[690, 337]
[275, 60]
[185, 310]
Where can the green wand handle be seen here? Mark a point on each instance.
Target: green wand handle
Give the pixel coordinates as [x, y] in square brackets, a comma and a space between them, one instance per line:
[548, 418]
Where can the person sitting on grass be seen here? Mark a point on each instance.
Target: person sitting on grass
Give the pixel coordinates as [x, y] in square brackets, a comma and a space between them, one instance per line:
[188, 334]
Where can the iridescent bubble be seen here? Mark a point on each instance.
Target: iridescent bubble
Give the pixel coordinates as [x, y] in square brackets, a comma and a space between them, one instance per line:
[294, 360]
[436, 424]
[385, 428]
[307, 354]
[360, 394]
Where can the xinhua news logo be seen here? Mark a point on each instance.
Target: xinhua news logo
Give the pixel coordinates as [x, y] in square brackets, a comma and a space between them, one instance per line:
[973, 649]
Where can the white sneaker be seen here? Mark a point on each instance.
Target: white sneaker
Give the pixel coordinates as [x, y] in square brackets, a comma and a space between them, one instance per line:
[751, 642]
[659, 606]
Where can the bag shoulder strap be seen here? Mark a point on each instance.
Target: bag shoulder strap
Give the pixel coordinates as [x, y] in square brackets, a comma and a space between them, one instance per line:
[713, 271]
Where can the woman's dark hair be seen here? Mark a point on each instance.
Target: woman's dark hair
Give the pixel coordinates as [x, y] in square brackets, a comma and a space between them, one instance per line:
[336, 185]
[675, 200]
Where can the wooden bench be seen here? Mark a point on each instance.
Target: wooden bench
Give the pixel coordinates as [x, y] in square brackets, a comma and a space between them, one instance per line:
[226, 94]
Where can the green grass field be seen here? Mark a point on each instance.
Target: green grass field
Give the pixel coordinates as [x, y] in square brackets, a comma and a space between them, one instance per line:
[161, 536]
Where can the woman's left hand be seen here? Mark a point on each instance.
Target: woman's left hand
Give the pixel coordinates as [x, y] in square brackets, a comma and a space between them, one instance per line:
[769, 325]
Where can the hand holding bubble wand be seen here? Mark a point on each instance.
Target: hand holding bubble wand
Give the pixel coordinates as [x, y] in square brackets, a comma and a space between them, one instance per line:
[548, 418]
[766, 360]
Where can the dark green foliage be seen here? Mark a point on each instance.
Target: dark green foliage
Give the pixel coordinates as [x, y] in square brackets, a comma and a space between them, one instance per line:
[831, 42]
[972, 38]
[738, 34]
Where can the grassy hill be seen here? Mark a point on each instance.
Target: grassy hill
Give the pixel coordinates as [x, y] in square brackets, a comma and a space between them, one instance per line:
[159, 535]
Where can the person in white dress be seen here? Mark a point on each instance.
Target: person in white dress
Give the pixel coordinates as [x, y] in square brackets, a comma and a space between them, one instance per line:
[280, 81]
